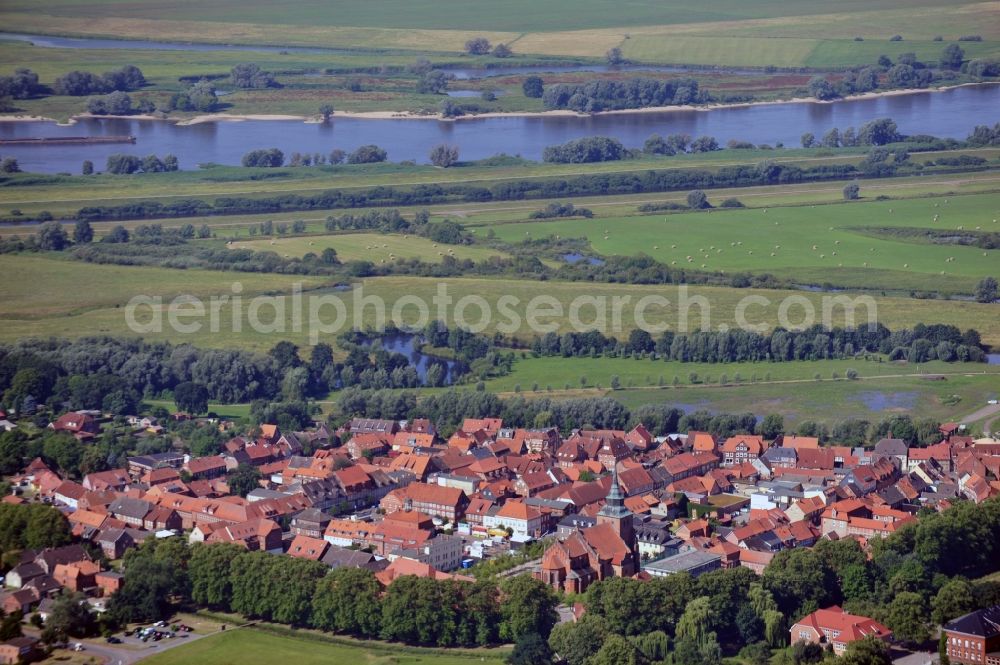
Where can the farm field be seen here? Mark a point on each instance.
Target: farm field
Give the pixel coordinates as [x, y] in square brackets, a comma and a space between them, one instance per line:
[645, 30]
[515, 16]
[250, 646]
[871, 398]
[57, 297]
[814, 244]
[790, 52]
[375, 247]
[642, 373]
[51, 289]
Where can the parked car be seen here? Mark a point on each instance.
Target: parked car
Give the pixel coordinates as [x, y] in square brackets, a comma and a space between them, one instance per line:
[111, 639]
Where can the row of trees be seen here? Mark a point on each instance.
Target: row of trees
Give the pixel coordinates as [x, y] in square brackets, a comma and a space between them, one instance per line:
[874, 133]
[80, 83]
[922, 342]
[906, 72]
[652, 180]
[585, 150]
[273, 158]
[121, 164]
[482, 46]
[605, 95]
[420, 611]
[674, 144]
[557, 209]
[448, 409]
[118, 103]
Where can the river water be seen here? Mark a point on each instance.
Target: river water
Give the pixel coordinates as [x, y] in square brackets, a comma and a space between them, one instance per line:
[408, 344]
[951, 113]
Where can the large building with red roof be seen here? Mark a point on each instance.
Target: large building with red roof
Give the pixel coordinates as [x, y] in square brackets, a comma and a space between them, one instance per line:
[836, 627]
[607, 549]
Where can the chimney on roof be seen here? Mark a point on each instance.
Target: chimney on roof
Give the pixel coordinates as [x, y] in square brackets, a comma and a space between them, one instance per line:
[408, 505]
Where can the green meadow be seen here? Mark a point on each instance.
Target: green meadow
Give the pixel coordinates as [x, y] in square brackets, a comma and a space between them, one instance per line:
[806, 33]
[870, 398]
[375, 247]
[61, 297]
[50, 291]
[513, 16]
[644, 373]
[787, 52]
[811, 244]
[249, 646]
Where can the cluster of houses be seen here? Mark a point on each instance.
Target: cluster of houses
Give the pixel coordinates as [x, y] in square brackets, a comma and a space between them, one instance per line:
[398, 499]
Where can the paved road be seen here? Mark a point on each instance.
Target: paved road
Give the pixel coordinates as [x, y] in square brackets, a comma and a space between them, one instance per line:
[914, 658]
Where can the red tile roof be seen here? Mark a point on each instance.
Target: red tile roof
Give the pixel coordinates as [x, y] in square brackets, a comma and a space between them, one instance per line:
[850, 627]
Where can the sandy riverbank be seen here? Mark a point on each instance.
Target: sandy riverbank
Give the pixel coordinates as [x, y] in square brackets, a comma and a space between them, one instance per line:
[408, 115]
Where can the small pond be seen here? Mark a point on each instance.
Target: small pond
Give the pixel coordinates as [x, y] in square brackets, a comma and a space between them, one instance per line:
[408, 344]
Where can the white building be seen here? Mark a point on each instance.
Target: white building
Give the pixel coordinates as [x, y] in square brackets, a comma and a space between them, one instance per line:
[524, 521]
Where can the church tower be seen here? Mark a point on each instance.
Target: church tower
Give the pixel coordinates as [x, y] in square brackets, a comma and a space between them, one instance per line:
[615, 514]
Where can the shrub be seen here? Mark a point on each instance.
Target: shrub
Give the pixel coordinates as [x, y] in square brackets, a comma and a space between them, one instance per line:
[477, 46]
[697, 200]
[585, 150]
[444, 155]
[367, 154]
[269, 158]
[533, 87]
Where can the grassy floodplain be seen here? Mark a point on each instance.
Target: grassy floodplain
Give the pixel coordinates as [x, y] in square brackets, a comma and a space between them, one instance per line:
[375, 247]
[48, 300]
[64, 195]
[642, 373]
[350, 81]
[814, 244]
[962, 391]
[51, 288]
[830, 401]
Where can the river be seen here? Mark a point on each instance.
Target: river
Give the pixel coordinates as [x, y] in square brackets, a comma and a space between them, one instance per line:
[950, 113]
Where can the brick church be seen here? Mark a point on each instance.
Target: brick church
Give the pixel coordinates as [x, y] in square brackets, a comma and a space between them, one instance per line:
[607, 549]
